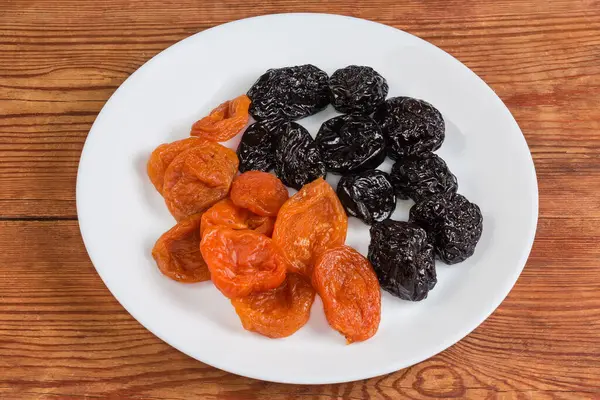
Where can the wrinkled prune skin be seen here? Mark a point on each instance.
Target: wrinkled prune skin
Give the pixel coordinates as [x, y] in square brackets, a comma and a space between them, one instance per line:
[297, 159]
[453, 223]
[421, 176]
[368, 195]
[411, 126]
[403, 259]
[256, 150]
[357, 89]
[289, 93]
[351, 143]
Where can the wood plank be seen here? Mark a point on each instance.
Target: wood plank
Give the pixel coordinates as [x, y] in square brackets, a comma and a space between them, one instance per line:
[58, 72]
[63, 334]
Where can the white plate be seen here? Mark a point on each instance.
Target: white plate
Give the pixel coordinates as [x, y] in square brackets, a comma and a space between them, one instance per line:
[121, 215]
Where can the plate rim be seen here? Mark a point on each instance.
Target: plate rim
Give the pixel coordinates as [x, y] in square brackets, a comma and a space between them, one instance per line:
[390, 367]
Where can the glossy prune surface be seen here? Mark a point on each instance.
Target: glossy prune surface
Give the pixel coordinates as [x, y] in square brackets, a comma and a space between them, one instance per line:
[453, 223]
[351, 143]
[403, 259]
[289, 93]
[297, 159]
[357, 89]
[368, 196]
[256, 150]
[411, 126]
[421, 176]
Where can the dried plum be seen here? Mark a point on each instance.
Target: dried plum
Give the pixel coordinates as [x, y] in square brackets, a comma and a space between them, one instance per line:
[357, 89]
[351, 143]
[411, 126]
[453, 223]
[256, 150]
[423, 175]
[289, 93]
[403, 259]
[368, 195]
[297, 159]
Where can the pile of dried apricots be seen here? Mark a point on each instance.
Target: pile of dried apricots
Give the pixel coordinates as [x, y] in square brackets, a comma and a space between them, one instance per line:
[267, 252]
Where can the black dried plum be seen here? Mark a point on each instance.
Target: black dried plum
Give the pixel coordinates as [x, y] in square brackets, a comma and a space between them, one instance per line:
[256, 150]
[357, 89]
[411, 126]
[423, 175]
[453, 223]
[368, 195]
[351, 143]
[289, 93]
[297, 159]
[402, 258]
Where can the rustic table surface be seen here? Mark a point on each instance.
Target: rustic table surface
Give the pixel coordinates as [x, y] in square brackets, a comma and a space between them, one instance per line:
[62, 334]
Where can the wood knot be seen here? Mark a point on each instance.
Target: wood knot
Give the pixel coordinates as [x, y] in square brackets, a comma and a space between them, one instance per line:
[439, 381]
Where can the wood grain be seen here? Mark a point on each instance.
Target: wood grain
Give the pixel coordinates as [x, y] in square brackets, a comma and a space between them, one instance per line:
[63, 336]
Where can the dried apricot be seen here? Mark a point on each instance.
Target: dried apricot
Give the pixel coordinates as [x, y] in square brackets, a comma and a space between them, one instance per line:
[278, 312]
[259, 192]
[225, 121]
[225, 213]
[177, 252]
[199, 177]
[310, 222]
[163, 155]
[260, 224]
[241, 262]
[348, 286]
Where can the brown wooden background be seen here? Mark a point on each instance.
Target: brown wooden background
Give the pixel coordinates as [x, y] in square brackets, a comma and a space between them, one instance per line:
[63, 336]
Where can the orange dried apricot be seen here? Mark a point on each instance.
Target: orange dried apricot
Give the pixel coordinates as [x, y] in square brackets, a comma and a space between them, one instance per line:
[348, 286]
[278, 312]
[225, 121]
[162, 157]
[177, 252]
[260, 224]
[310, 222]
[241, 262]
[260, 192]
[198, 177]
[225, 213]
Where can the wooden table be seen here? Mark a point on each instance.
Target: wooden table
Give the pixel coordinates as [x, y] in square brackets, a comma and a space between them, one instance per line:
[62, 334]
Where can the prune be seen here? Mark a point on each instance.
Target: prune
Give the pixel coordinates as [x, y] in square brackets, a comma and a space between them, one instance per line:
[310, 222]
[177, 252]
[297, 159]
[357, 89]
[348, 286]
[453, 223]
[289, 93]
[256, 150]
[259, 192]
[411, 126]
[351, 143]
[198, 177]
[278, 312]
[163, 156]
[225, 121]
[368, 195]
[403, 259]
[423, 175]
[241, 262]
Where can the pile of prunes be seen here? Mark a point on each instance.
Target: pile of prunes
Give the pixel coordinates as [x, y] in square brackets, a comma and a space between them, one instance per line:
[442, 223]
